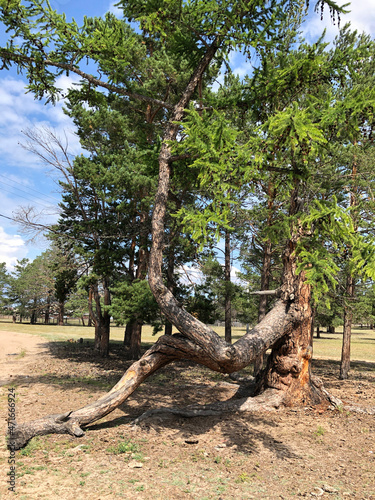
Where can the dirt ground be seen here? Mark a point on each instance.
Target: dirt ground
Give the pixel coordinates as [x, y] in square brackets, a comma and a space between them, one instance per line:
[285, 454]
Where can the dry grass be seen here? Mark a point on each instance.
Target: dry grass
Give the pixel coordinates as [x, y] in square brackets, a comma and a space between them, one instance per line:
[327, 347]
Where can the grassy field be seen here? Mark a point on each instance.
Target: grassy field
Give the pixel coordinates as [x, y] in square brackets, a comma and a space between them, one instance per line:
[327, 347]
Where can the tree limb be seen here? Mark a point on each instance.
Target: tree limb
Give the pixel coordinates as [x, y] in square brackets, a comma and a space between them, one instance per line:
[18, 58]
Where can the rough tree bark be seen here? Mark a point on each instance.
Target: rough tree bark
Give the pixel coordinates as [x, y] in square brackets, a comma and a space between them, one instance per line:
[288, 367]
[102, 319]
[288, 373]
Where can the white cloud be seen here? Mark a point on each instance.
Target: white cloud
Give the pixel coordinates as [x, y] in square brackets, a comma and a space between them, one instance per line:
[115, 10]
[24, 180]
[20, 111]
[192, 275]
[12, 248]
[361, 18]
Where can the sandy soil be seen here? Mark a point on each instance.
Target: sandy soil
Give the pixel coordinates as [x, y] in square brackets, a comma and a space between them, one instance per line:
[290, 453]
[17, 351]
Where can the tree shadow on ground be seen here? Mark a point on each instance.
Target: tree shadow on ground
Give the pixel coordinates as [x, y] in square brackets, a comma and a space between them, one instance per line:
[177, 385]
[78, 352]
[237, 431]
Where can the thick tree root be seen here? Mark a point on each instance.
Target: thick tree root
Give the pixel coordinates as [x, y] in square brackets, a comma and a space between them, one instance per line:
[270, 400]
[359, 409]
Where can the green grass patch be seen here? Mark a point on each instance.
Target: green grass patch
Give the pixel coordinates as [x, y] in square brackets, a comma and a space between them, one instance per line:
[125, 447]
[32, 446]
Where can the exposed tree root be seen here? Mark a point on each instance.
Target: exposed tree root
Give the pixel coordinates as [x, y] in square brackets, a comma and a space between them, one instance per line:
[359, 409]
[270, 400]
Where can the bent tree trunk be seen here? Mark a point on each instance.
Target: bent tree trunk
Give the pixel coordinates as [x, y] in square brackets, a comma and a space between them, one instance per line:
[204, 347]
[287, 327]
[288, 372]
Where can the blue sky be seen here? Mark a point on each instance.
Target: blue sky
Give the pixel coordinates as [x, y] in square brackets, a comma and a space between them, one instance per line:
[25, 181]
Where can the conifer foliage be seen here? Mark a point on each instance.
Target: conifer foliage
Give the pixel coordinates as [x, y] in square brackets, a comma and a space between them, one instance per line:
[160, 75]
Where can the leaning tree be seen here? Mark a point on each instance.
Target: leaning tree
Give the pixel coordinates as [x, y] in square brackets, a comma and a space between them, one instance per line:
[201, 34]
